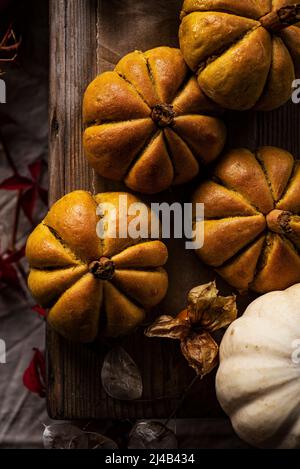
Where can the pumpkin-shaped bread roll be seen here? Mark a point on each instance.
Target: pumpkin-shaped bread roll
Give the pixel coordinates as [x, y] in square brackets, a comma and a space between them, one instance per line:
[252, 223]
[245, 53]
[94, 285]
[149, 124]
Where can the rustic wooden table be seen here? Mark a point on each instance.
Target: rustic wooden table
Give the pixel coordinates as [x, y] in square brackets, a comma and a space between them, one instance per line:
[88, 37]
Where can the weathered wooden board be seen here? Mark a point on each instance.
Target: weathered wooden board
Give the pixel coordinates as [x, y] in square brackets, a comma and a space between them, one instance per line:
[88, 37]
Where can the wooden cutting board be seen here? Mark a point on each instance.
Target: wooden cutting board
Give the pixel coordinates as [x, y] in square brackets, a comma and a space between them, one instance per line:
[89, 37]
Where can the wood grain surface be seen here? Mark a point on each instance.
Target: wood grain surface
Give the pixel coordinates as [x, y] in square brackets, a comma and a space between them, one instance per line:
[89, 37]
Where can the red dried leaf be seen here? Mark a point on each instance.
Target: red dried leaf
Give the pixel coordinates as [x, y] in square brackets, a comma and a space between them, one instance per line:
[9, 275]
[30, 187]
[34, 377]
[15, 183]
[41, 363]
[43, 195]
[201, 352]
[8, 272]
[28, 201]
[35, 169]
[15, 256]
[41, 311]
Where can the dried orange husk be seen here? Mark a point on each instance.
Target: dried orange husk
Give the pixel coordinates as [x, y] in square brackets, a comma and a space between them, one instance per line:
[200, 300]
[209, 310]
[206, 312]
[201, 352]
[169, 328]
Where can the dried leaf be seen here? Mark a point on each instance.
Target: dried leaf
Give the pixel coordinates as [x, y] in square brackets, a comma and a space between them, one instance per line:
[15, 256]
[152, 435]
[34, 377]
[35, 170]
[206, 313]
[201, 352]
[28, 201]
[60, 435]
[31, 188]
[209, 311]
[169, 328]
[221, 314]
[16, 182]
[8, 271]
[40, 311]
[9, 275]
[68, 436]
[200, 299]
[90, 440]
[121, 378]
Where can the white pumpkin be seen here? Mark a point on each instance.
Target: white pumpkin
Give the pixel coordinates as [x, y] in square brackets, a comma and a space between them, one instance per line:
[258, 381]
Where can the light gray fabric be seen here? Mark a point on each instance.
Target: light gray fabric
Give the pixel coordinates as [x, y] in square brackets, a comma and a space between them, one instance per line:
[23, 122]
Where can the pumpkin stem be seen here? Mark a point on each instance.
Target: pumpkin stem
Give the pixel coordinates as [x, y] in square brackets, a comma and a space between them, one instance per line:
[163, 115]
[279, 221]
[280, 19]
[103, 269]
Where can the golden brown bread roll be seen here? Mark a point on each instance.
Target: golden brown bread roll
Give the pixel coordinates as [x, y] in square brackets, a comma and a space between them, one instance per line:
[252, 223]
[149, 124]
[86, 281]
[245, 53]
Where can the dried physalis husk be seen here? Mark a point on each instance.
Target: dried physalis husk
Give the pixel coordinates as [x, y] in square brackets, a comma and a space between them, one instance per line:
[169, 328]
[221, 314]
[200, 300]
[206, 313]
[201, 352]
[209, 310]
